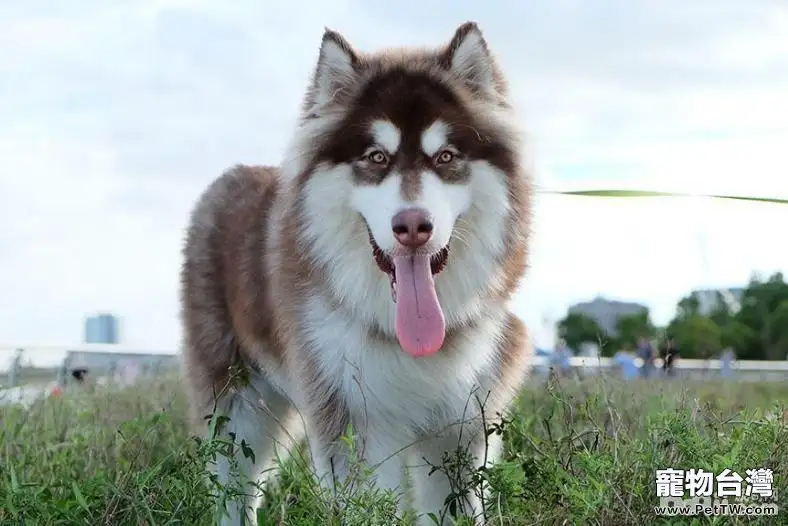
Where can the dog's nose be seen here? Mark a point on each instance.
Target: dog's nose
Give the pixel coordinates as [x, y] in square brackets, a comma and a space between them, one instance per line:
[412, 227]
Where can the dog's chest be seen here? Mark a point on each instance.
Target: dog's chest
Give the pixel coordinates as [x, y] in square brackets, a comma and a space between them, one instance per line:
[377, 378]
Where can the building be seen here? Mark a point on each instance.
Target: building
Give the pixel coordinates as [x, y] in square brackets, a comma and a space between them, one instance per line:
[102, 328]
[98, 362]
[121, 368]
[606, 312]
[709, 299]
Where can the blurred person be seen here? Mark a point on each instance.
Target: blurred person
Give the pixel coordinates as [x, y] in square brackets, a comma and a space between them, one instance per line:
[670, 356]
[79, 375]
[645, 352]
[561, 358]
[726, 363]
[627, 365]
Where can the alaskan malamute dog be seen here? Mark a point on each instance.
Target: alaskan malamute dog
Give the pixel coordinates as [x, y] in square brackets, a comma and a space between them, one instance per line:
[365, 280]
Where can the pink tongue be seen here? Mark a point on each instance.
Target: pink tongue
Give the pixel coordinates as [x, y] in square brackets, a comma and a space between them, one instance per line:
[419, 319]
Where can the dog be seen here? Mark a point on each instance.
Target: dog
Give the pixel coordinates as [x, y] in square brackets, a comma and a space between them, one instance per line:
[365, 281]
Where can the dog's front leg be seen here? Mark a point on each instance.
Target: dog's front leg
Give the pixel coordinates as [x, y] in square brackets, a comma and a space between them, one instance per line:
[385, 452]
[442, 469]
[331, 464]
[373, 461]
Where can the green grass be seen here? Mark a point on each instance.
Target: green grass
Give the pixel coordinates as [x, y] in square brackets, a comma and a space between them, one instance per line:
[576, 453]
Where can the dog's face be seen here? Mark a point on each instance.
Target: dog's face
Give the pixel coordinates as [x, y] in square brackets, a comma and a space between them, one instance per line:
[413, 151]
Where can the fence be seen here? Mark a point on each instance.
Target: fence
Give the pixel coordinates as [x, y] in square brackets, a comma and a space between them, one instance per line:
[55, 364]
[745, 370]
[112, 363]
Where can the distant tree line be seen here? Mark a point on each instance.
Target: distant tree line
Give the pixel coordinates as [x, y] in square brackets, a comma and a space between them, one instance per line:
[757, 329]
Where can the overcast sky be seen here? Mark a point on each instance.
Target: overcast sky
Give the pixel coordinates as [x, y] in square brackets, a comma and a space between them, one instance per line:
[114, 116]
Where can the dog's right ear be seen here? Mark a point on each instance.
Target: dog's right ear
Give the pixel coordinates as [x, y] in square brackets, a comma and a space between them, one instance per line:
[468, 57]
[336, 68]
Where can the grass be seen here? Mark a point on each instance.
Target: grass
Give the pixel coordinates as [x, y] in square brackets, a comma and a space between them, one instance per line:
[577, 452]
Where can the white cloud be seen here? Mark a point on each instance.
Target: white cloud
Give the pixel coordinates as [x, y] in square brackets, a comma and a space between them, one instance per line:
[115, 117]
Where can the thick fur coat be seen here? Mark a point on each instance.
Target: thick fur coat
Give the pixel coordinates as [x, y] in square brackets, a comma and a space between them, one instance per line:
[366, 279]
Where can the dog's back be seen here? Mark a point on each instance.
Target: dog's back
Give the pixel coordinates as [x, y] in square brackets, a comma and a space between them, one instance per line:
[225, 294]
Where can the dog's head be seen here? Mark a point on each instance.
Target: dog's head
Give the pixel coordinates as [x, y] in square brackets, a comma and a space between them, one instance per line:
[411, 158]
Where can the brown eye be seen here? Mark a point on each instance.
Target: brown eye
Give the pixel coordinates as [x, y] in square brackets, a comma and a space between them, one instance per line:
[377, 157]
[445, 157]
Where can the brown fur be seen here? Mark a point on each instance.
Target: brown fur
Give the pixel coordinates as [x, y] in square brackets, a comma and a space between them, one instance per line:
[225, 294]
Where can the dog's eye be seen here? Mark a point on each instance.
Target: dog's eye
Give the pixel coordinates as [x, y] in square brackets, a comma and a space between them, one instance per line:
[445, 157]
[377, 157]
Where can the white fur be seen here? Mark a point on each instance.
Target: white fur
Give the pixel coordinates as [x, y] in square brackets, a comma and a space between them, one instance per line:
[430, 491]
[476, 242]
[434, 138]
[298, 152]
[270, 426]
[472, 61]
[380, 379]
[392, 397]
[379, 204]
[390, 392]
[387, 135]
[334, 72]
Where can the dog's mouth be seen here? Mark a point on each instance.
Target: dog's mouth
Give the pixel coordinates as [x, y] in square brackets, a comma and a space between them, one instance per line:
[419, 321]
[386, 263]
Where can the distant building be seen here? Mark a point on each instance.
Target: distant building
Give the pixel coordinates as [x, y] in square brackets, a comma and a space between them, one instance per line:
[97, 362]
[708, 299]
[102, 328]
[121, 368]
[606, 312]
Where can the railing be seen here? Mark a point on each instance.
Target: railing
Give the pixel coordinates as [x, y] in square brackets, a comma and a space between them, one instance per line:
[85, 347]
[45, 364]
[681, 363]
[684, 368]
[105, 365]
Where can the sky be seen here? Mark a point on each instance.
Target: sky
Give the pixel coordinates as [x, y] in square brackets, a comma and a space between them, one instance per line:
[114, 116]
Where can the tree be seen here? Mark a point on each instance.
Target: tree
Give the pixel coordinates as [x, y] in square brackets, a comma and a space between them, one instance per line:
[630, 328]
[762, 311]
[778, 333]
[688, 306]
[696, 336]
[577, 328]
[758, 330]
[738, 336]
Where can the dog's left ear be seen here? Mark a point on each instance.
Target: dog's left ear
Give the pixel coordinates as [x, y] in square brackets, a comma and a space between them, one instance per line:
[468, 57]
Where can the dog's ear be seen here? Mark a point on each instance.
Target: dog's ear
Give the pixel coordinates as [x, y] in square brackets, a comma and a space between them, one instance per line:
[337, 68]
[468, 57]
